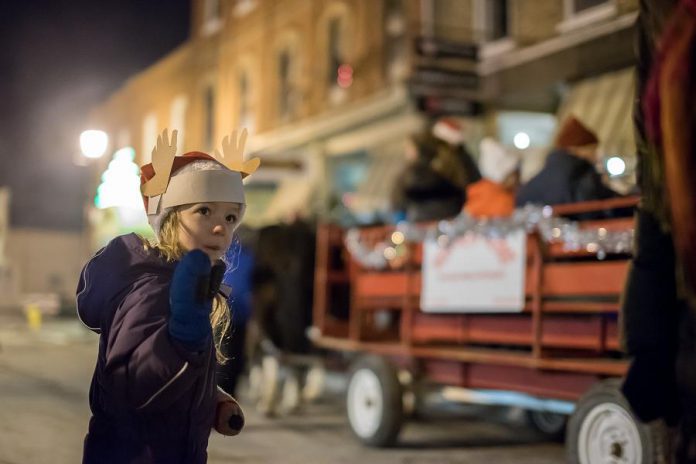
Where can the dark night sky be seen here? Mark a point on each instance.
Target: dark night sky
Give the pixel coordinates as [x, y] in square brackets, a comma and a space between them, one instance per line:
[59, 58]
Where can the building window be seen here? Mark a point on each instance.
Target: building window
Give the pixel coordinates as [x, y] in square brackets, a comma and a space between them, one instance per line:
[497, 19]
[335, 55]
[491, 20]
[243, 7]
[285, 103]
[212, 16]
[149, 137]
[246, 117]
[395, 39]
[582, 13]
[209, 115]
[177, 118]
[582, 5]
[123, 138]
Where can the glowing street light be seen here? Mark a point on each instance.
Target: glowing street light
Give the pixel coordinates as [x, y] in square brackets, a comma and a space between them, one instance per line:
[93, 143]
[521, 140]
[616, 166]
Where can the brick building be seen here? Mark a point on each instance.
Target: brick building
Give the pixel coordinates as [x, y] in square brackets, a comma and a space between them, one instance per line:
[331, 88]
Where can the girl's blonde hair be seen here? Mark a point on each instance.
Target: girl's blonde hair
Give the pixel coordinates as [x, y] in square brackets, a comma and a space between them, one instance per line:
[170, 248]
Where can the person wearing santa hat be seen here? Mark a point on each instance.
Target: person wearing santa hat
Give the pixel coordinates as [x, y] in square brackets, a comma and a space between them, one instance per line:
[160, 314]
[453, 158]
[494, 195]
[569, 174]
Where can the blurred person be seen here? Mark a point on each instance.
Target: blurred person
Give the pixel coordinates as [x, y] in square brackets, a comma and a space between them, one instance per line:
[239, 280]
[453, 159]
[421, 192]
[659, 304]
[569, 173]
[494, 194]
[157, 308]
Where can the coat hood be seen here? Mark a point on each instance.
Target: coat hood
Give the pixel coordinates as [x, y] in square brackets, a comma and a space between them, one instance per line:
[110, 274]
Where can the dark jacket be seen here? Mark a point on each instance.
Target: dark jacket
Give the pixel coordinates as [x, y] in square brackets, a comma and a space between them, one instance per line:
[152, 400]
[565, 178]
[425, 195]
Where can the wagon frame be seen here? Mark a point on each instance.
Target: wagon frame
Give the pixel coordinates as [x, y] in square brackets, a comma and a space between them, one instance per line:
[562, 349]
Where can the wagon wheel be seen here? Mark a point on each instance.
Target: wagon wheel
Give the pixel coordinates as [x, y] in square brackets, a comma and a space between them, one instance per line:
[550, 424]
[374, 402]
[603, 429]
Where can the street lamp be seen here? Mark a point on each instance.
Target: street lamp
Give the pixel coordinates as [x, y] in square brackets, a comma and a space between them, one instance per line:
[93, 143]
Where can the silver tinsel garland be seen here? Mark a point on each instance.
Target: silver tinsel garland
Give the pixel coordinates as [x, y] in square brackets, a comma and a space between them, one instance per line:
[598, 241]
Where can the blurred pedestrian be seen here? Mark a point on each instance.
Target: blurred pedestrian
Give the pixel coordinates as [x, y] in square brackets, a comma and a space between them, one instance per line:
[494, 194]
[421, 192]
[569, 174]
[160, 316]
[453, 159]
[659, 305]
[239, 280]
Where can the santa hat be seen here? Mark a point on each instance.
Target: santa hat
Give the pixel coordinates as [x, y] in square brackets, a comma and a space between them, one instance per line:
[574, 133]
[449, 130]
[195, 177]
[496, 162]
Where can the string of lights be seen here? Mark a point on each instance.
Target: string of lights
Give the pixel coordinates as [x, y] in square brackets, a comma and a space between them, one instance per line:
[595, 240]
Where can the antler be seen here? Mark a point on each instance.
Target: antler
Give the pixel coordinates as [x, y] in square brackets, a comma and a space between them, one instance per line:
[162, 160]
[233, 154]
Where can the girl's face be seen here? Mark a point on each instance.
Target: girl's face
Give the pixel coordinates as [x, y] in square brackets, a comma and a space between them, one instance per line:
[208, 227]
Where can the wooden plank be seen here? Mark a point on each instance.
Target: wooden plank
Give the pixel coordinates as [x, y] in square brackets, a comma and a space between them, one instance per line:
[501, 357]
[380, 284]
[503, 329]
[561, 385]
[598, 205]
[583, 278]
[572, 332]
[580, 307]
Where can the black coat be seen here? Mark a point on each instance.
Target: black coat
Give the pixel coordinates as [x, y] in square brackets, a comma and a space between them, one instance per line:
[659, 329]
[425, 195]
[565, 178]
[152, 400]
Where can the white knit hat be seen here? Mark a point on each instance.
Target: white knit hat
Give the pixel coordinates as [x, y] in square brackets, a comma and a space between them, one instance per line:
[156, 220]
[496, 161]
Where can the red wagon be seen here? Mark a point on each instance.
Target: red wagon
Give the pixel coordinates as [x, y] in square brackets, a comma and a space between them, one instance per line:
[560, 357]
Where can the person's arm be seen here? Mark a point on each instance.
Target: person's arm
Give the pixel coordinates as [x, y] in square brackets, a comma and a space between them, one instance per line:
[146, 368]
[590, 187]
[650, 319]
[161, 339]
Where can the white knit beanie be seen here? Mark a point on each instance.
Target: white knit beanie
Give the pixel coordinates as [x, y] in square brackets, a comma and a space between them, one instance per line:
[156, 220]
[496, 161]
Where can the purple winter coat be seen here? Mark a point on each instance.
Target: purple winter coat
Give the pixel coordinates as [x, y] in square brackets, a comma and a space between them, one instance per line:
[152, 400]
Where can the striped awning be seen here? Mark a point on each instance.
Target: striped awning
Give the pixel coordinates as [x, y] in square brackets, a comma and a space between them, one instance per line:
[605, 105]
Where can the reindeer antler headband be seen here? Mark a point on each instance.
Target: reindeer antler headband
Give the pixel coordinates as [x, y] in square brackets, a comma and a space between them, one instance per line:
[163, 155]
[162, 190]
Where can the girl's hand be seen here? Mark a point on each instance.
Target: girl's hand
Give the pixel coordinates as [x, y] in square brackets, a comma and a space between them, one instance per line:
[190, 311]
[229, 417]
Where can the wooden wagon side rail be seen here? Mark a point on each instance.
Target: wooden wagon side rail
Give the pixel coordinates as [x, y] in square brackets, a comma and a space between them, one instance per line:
[569, 324]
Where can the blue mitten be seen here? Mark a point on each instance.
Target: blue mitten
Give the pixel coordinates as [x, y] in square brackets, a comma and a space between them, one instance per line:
[190, 308]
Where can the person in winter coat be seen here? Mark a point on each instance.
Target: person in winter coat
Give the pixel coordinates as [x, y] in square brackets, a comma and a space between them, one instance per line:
[453, 159]
[160, 317]
[659, 304]
[494, 194]
[569, 175]
[239, 279]
[421, 192]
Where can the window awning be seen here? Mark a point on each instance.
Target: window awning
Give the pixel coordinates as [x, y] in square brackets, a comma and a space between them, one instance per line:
[605, 105]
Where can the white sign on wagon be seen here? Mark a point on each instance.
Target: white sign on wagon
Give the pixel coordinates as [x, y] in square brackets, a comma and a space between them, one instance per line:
[474, 274]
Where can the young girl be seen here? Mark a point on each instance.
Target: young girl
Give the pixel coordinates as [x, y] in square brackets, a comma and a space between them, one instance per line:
[153, 396]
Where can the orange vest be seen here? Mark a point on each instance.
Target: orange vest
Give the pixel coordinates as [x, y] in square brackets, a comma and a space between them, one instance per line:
[488, 199]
